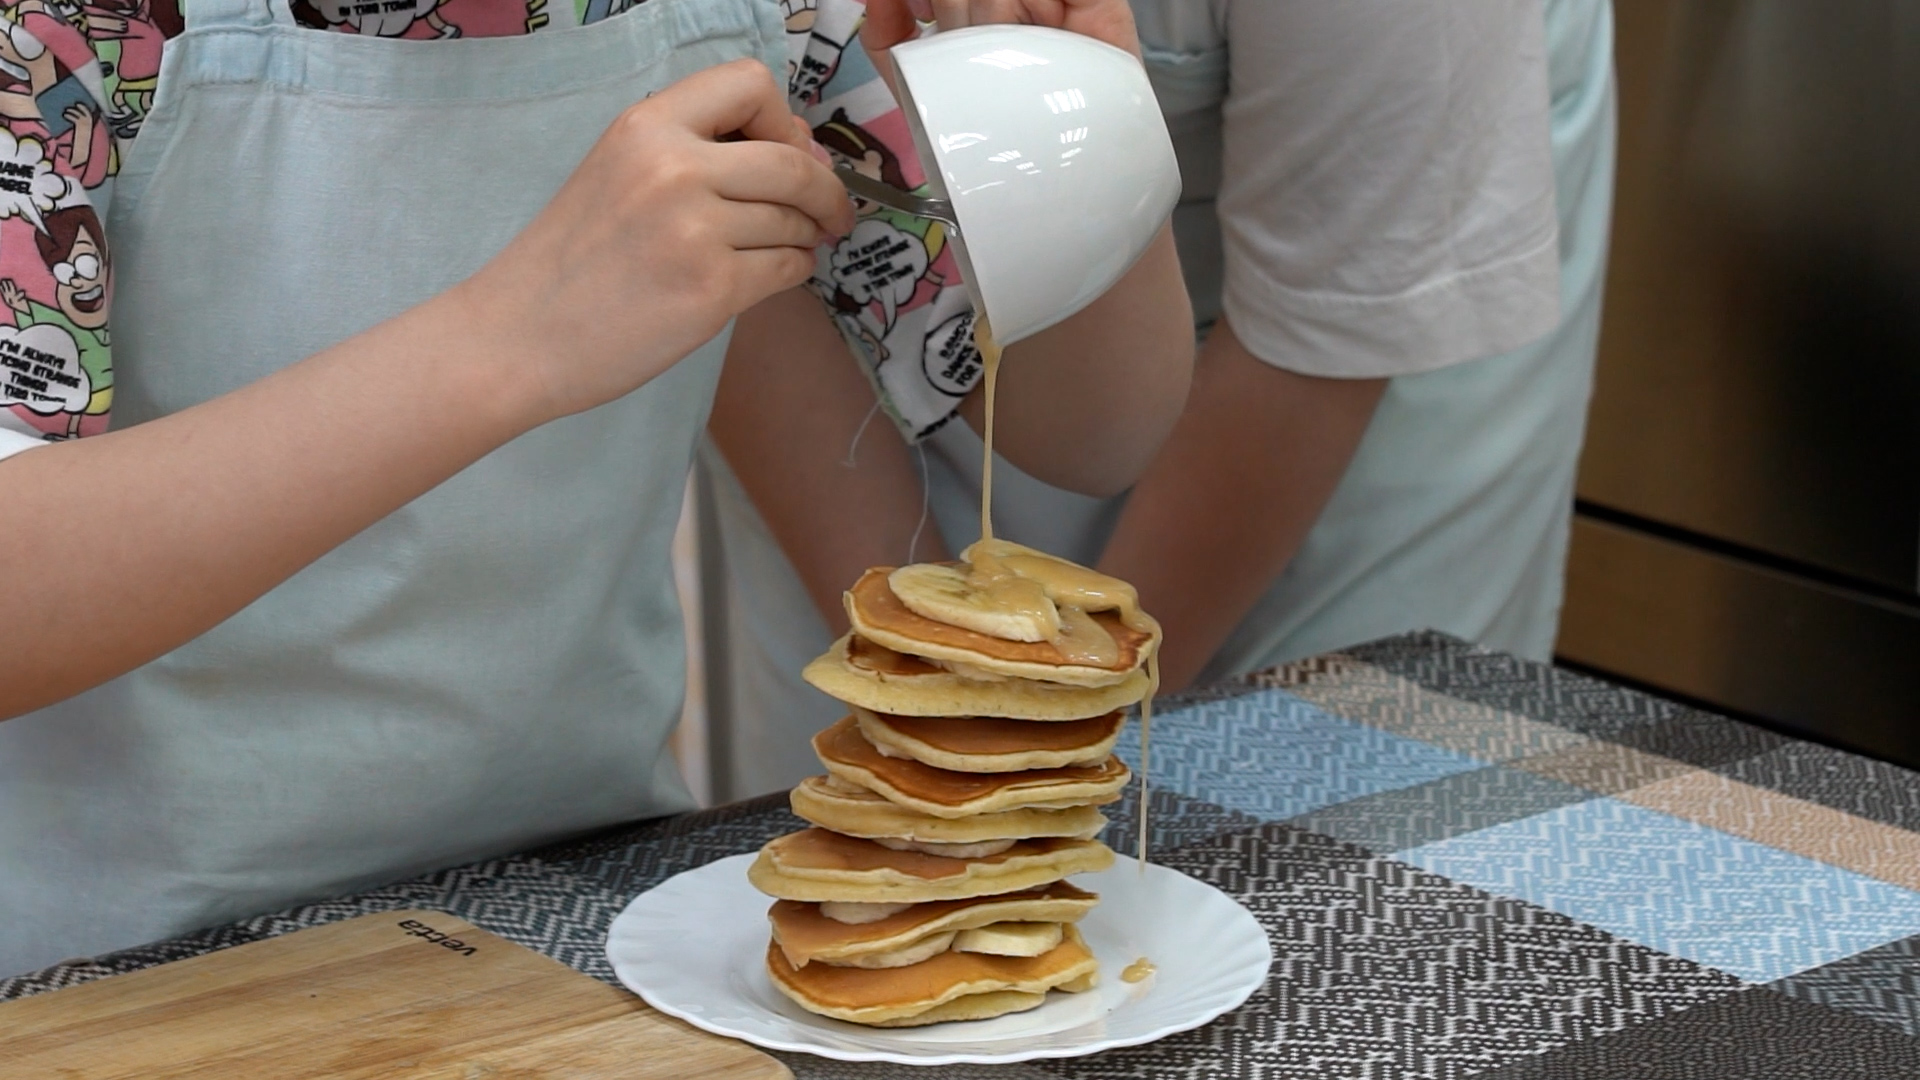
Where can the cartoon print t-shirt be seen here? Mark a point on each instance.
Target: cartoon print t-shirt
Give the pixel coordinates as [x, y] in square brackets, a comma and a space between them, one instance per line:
[57, 157]
[893, 284]
[77, 80]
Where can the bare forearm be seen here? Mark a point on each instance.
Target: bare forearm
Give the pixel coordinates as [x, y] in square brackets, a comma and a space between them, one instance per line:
[790, 402]
[147, 537]
[1219, 514]
[1085, 404]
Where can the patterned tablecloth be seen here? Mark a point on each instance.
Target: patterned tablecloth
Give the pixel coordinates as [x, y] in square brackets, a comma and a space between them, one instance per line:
[1469, 865]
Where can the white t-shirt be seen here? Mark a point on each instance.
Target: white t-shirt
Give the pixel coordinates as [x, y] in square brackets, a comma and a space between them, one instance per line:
[1410, 188]
[1381, 170]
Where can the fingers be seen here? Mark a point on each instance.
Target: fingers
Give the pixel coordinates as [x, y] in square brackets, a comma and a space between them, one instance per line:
[888, 23]
[954, 14]
[1015, 11]
[749, 225]
[738, 96]
[760, 172]
[818, 152]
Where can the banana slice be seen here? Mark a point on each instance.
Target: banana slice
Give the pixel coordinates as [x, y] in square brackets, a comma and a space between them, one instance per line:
[979, 850]
[855, 913]
[912, 954]
[1006, 606]
[1010, 939]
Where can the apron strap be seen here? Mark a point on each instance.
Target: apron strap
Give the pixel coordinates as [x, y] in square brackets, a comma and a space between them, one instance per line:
[231, 13]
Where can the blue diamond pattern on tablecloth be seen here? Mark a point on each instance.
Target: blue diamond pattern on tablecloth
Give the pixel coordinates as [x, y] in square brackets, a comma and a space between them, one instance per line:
[1747, 909]
[1273, 756]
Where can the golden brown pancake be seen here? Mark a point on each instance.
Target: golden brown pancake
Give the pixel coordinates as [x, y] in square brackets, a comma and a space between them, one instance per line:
[853, 810]
[950, 794]
[907, 996]
[815, 865]
[871, 676]
[879, 616]
[806, 935]
[975, 1007]
[983, 744]
[880, 660]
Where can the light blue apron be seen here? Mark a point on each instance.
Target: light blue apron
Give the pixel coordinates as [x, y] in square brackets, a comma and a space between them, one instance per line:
[496, 665]
[1453, 514]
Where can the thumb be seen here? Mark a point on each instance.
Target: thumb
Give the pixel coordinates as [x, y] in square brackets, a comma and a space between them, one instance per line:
[888, 23]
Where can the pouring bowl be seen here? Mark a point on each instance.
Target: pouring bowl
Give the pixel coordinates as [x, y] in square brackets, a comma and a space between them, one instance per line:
[1049, 151]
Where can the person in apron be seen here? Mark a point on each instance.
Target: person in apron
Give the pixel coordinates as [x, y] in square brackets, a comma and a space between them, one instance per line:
[312, 309]
[1404, 209]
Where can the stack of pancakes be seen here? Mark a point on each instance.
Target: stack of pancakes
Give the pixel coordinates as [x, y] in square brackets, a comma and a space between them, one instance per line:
[960, 793]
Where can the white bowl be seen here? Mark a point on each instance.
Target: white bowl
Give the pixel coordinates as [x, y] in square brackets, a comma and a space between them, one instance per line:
[1051, 148]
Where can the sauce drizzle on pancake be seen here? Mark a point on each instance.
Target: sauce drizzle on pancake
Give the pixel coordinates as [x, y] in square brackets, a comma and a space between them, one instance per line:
[1146, 733]
[873, 603]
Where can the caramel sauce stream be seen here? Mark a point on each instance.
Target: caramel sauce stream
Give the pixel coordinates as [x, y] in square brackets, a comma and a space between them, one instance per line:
[1051, 593]
[990, 359]
[1019, 579]
[1146, 734]
[993, 581]
[1002, 585]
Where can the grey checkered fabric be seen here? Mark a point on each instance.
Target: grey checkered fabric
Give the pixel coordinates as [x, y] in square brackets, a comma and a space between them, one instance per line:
[1468, 864]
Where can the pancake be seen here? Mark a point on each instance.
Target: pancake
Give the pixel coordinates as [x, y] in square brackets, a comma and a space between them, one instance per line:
[982, 744]
[973, 985]
[805, 935]
[815, 865]
[949, 794]
[853, 810]
[971, 1007]
[874, 677]
[879, 616]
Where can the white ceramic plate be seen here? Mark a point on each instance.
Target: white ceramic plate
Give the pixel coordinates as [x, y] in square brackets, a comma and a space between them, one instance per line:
[695, 947]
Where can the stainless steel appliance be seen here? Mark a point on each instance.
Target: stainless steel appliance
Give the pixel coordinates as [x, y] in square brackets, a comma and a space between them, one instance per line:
[1748, 531]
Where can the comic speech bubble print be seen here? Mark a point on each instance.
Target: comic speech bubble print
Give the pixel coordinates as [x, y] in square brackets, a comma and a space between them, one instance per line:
[879, 262]
[375, 18]
[28, 185]
[40, 368]
[951, 360]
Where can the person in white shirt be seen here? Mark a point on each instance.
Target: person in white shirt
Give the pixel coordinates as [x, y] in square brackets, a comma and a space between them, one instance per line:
[1394, 233]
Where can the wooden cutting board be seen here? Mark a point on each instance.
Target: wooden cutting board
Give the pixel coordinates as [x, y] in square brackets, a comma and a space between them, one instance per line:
[409, 994]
